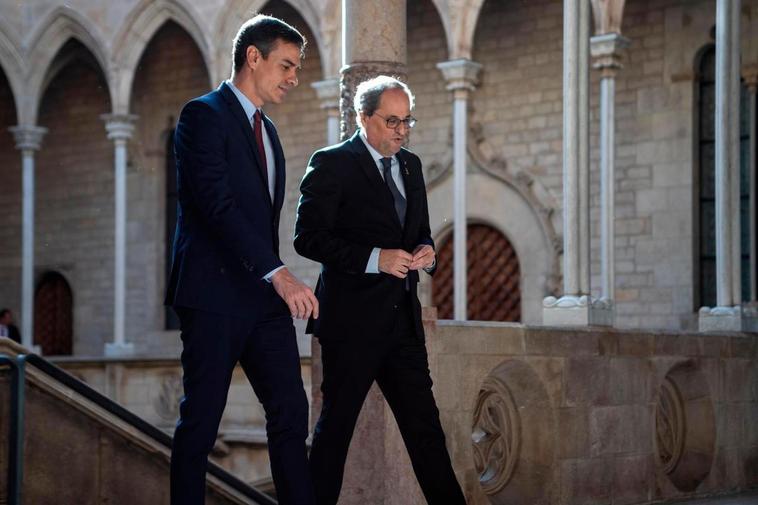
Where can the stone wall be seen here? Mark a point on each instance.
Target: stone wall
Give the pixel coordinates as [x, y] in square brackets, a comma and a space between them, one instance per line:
[514, 142]
[556, 416]
[74, 196]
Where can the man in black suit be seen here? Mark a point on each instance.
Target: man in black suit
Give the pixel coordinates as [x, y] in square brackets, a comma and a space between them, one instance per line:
[363, 215]
[234, 297]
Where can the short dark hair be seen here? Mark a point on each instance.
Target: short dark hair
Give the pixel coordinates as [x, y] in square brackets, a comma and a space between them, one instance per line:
[368, 94]
[263, 32]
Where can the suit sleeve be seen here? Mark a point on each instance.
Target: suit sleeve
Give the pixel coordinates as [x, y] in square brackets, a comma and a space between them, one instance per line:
[315, 237]
[203, 167]
[425, 232]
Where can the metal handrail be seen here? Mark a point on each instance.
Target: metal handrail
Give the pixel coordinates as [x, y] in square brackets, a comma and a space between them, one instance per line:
[16, 431]
[18, 364]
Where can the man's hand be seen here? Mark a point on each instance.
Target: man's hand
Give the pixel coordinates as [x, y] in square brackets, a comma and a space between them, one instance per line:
[395, 262]
[423, 257]
[299, 297]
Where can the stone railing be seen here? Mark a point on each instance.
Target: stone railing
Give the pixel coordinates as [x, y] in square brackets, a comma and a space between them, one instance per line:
[152, 387]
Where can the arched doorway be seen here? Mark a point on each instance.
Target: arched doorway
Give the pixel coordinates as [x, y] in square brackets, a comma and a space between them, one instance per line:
[53, 315]
[494, 275]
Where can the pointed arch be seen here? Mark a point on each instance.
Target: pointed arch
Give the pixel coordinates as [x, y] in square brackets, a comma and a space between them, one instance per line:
[463, 28]
[12, 66]
[144, 21]
[443, 11]
[238, 11]
[60, 26]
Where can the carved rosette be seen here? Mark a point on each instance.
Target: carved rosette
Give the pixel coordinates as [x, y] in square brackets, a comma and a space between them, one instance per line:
[496, 436]
[670, 425]
[350, 77]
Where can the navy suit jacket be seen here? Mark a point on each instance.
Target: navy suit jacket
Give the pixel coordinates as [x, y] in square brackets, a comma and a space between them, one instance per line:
[345, 211]
[226, 237]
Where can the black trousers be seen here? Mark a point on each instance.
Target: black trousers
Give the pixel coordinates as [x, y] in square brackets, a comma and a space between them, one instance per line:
[267, 351]
[399, 365]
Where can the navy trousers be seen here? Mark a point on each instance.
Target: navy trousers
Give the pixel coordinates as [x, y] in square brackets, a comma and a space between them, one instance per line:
[266, 348]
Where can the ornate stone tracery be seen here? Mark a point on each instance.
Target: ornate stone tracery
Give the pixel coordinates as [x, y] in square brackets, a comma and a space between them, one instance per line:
[670, 425]
[496, 436]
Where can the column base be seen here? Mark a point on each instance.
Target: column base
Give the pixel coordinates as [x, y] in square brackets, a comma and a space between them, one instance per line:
[113, 350]
[738, 318]
[573, 310]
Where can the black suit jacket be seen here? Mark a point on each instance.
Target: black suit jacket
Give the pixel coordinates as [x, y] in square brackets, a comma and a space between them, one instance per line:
[226, 236]
[345, 211]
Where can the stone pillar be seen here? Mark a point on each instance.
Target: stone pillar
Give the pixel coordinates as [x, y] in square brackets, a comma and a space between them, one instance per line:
[576, 306]
[734, 146]
[120, 128]
[373, 43]
[28, 140]
[606, 49]
[461, 76]
[751, 80]
[328, 93]
[728, 315]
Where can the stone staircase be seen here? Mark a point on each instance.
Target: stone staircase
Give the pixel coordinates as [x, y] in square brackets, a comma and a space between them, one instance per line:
[63, 443]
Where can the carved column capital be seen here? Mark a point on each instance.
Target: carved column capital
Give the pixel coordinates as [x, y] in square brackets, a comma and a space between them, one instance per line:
[28, 137]
[462, 75]
[328, 93]
[119, 126]
[607, 50]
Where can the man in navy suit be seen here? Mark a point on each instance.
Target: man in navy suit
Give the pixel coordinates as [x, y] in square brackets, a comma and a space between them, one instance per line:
[363, 215]
[234, 297]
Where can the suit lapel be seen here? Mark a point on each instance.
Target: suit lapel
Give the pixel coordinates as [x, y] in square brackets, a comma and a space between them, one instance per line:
[366, 162]
[247, 129]
[412, 203]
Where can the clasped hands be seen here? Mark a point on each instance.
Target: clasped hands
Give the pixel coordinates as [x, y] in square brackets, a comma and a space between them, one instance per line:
[398, 262]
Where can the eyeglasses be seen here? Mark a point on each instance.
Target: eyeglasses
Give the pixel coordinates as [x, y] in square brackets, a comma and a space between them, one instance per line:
[393, 121]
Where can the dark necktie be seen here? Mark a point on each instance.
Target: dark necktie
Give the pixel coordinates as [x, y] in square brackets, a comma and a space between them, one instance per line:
[258, 131]
[400, 203]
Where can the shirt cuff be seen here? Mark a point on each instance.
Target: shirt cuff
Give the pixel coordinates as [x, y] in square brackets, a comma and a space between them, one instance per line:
[431, 267]
[372, 267]
[269, 275]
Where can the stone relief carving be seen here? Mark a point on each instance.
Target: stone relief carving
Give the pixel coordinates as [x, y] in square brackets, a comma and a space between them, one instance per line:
[670, 425]
[496, 436]
[166, 404]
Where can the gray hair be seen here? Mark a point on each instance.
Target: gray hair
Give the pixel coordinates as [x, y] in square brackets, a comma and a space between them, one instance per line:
[368, 93]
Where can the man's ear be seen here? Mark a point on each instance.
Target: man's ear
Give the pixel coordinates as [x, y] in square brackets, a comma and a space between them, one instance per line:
[252, 56]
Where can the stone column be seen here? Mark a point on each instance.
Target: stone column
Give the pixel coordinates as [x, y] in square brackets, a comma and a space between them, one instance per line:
[373, 43]
[461, 76]
[606, 49]
[120, 128]
[751, 80]
[734, 146]
[576, 306]
[328, 93]
[28, 140]
[728, 315]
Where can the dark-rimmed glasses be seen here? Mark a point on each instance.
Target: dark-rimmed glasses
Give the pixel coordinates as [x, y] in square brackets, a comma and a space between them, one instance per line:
[393, 122]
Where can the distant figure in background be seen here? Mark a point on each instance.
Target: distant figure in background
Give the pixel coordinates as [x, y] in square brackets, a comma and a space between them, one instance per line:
[7, 328]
